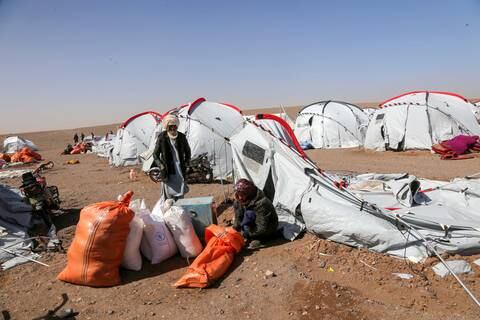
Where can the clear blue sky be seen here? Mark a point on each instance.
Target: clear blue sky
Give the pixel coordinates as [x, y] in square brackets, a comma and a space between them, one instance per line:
[67, 64]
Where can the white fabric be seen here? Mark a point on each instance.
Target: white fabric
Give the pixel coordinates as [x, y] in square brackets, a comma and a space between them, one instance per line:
[103, 147]
[419, 120]
[16, 143]
[133, 140]
[457, 266]
[157, 242]
[331, 124]
[206, 129]
[180, 224]
[132, 259]
[275, 128]
[304, 197]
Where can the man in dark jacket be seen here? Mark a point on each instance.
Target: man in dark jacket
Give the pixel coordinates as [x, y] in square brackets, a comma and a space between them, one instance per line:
[255, 215]
[172, 151]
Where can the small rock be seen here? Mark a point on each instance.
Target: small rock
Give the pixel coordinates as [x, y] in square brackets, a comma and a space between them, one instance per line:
[110, 312]
[322, 264]
[152, 314]
[269, 274]
[304, 313]
[317, 307]
[221, 311]
[227, 296]
[337, 294]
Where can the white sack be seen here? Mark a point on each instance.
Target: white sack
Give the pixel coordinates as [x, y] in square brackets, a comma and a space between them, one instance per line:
[180, 224]
[157, 243]
[132, 259]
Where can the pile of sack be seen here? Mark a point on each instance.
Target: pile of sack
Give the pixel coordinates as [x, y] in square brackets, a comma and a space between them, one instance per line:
[116, 233]
[25, 155]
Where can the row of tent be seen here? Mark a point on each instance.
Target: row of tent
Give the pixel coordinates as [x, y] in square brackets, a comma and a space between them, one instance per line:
[305, 197]
[415, 120]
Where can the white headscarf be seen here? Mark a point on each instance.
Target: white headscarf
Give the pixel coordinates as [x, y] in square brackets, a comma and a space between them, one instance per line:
[169, 120]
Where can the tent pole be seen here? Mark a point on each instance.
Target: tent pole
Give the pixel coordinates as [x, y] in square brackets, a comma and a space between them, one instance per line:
[430, 247]
[26, 258]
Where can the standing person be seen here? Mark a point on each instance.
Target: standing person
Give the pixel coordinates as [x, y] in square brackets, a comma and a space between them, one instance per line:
[75, 138]
[255, 215]
[93, 136]
[173, 152]
[82, 136]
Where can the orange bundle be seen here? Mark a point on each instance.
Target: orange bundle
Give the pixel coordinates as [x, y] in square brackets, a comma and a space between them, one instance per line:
[96, 252]
[5, 157]
[78, 148]
[26, 155]
[215, 259]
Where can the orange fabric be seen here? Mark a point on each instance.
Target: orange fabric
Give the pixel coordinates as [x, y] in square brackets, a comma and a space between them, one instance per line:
[96, 252]
[215, 259]
[79, 148]
[26, 155]
[5, 157]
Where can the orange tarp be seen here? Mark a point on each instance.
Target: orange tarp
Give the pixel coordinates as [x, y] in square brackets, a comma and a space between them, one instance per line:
[96, 252]
[26, 155]
[222, 245]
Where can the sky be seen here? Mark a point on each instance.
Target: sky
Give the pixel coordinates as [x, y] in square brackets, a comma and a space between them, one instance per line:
[68, 64]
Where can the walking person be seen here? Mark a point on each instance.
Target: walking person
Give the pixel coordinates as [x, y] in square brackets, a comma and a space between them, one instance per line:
[82, 136]
[172, 152]
[75, 138]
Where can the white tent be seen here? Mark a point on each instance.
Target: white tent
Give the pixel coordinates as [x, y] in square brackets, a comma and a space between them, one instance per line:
[305, 197]
[476, 110]
[369, 112]
[278, 127]
[104, 145]
[331, 124]
[16, 143]
[419, 119]
[132, 138]
[207, 126]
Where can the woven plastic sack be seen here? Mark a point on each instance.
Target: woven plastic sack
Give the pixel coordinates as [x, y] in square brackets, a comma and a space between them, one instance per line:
[180, 224]
[97, 249]
[157, 241]
[222, 245]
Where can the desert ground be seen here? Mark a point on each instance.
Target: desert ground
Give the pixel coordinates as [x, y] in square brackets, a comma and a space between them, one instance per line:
[313, 278]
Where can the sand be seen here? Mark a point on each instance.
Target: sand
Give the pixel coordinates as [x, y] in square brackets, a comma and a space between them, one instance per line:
[314, 278]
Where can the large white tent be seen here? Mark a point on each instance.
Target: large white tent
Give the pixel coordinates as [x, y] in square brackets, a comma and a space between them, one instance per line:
[331, 124]
[16, 143]
[419, 119]
[207, 126]
[133, 138]
[306, 197]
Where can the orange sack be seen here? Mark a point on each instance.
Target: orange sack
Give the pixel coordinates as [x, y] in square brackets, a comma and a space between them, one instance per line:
[26, 155]
[215, 259]
[96, 252]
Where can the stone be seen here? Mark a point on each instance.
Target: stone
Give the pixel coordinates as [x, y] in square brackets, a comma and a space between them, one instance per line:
[270, 274]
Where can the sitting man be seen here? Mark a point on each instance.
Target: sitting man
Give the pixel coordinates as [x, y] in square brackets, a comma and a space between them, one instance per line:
[255, 216]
